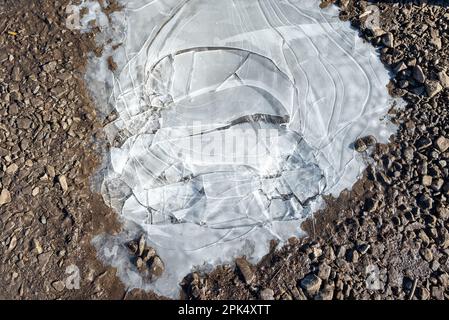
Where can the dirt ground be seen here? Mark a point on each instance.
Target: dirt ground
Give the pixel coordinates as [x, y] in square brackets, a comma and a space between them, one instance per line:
[387, 238]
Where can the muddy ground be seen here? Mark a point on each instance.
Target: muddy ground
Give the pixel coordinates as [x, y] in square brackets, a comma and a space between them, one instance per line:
[388, 238]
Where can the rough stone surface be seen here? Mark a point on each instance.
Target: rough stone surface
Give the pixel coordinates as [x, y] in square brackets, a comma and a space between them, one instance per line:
[266, 294]
[442, 143]
[245, 269]
[5, 197]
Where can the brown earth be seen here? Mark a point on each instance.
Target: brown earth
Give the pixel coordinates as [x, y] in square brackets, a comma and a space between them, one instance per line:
[49, 138]
[387, 238]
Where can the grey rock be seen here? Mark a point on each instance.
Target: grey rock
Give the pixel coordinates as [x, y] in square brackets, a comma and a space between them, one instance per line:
[23, 123]
[444, 79]
[371, 204]
[13, 109]
[423, 293]
[427, 254]
[437, 293]
[382, 177]
[58, 92]
[437, 184]
[266, 294]
[44, 258]
[327, 293]
[363, 248]
[157, 267]
[49, 67]
[12, 169]
[12, 243]
[424, 201]
[133, 246]
[400, 67]
[38, 246]
[58, 285]
[360, 145]
[433, 88]
[443, 278]
[298, 294]
[443, 212]
[245, 269]
[435, 38]
[442, 144]
[139, 263]
[16, 74]
[423, 143]
[311, 284]
[5, 197]
[370, 140]
[426, 181]
[388, 40]
[148, 254]
[418, 74]
[409, 153]
[324, 271]
[63, 182]
[141, 245]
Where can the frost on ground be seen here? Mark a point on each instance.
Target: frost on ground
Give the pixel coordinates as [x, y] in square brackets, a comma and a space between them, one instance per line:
[234, 118]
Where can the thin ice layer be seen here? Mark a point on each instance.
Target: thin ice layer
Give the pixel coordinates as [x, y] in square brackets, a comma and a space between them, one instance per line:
[234, 118]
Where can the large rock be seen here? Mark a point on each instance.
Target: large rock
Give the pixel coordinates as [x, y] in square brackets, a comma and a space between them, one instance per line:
[5, 197]
[442, 144]
[388, 40]
[266, 294]
[444, 79]
[311, 284]
[58, 285]
[157, 267]
[418, 74]
[63, 183]
[443, 212]
[245, 269]
[327, 293]
[433, 88]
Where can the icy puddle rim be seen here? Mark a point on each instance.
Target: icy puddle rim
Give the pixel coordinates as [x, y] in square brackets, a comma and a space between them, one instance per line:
[284, 70]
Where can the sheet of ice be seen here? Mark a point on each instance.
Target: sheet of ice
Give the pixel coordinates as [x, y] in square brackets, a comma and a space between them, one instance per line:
[234, 117]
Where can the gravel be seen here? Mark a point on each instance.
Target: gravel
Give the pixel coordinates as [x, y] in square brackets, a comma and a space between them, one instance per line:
[48, 151]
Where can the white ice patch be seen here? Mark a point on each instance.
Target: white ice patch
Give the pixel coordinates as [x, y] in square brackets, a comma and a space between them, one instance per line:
[234, 118]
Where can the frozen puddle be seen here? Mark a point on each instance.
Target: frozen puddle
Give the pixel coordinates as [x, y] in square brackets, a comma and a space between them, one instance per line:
[234, 118]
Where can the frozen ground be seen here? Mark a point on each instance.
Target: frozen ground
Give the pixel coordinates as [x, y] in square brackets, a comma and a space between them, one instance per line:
[234, 118]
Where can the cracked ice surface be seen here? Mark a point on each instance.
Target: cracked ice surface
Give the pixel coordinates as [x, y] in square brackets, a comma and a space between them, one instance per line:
[234, 118]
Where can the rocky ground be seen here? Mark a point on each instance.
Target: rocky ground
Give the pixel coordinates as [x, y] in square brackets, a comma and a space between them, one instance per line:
[48, 138]
[386, 239]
